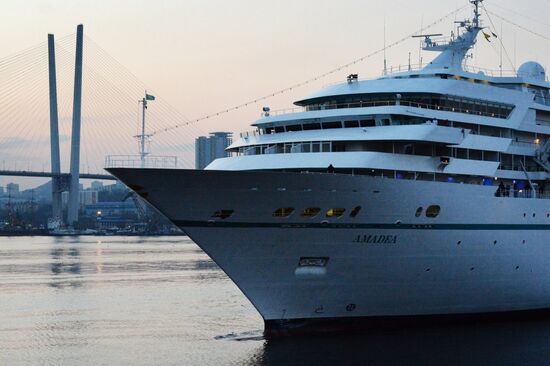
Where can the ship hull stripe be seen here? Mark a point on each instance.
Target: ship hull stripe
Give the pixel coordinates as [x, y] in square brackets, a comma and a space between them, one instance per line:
[184, 223]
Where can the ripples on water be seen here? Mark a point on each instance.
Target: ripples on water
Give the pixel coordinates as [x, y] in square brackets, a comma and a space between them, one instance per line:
[141, 301]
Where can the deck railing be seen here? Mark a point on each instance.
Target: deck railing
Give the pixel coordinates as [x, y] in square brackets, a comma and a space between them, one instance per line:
[134, 161]
[381, 103]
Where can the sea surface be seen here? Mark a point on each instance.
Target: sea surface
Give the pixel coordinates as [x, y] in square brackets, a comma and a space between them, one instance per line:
[162, 301]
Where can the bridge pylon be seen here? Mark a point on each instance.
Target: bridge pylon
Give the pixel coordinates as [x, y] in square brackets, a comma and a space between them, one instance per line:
[74, 189]
[57, 188]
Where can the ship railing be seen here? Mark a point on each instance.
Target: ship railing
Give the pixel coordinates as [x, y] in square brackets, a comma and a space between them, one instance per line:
[526, 143]
[279, 112]
[523, 193]
[135, 161]
[403, 68]
[393, 69]
[490, 72]
[251, 133]
[377, 103]
[406, 103]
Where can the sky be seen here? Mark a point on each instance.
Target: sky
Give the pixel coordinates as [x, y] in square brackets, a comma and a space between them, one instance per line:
[205, 56]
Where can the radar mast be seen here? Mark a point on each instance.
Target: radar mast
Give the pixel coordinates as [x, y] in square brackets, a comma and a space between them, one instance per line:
[454, 48]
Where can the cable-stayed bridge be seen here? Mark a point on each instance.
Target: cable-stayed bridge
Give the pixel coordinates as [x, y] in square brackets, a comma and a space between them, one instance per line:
[69, 98]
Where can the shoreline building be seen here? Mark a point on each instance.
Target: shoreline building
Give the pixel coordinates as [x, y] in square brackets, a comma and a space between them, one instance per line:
[208, 149]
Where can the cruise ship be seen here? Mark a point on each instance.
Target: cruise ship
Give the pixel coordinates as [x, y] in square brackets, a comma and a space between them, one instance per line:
[419, 195]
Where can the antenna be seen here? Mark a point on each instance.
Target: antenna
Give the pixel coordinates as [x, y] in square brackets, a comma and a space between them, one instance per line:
[144, 138]
[501, 42]
[420, 43]
[385, 64]
[476, 12]
[427, 35]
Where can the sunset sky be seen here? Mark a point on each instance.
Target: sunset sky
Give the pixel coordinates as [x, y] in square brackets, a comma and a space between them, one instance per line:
[204, 56]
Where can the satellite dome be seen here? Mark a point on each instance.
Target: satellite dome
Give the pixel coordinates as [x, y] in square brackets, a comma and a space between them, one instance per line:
[533, 70]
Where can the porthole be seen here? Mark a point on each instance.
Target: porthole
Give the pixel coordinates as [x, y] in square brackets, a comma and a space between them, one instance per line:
[524, 214]
[459, 242]
[355, 211]
[222, 214]
[419, 212]
[283, 212]
[495, 242]
[310, 212]
[335, 212]
[533, 214]
[433, 211]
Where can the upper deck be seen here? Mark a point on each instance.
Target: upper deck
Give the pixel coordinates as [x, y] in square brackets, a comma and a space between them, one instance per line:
[444, 121]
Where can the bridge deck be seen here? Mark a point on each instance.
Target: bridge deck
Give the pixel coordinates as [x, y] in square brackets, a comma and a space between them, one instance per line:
[26, 173]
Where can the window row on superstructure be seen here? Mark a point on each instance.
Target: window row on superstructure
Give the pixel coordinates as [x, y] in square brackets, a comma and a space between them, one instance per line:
[350, 122]
[523, 138]
[420, 100]
[507, 161]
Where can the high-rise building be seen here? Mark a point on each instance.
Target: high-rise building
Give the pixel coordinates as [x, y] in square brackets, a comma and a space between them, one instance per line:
[96, 185]
[208, 149]
[85, 198]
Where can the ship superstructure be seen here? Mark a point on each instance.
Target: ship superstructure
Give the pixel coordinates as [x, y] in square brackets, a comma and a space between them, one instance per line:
[444, 122]
[421, 193]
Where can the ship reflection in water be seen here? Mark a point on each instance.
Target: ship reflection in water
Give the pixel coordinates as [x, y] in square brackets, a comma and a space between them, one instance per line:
[65, 262]
[521, 343]
[142, 301]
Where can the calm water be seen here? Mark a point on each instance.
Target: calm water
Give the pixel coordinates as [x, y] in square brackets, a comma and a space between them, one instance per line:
[145, 301]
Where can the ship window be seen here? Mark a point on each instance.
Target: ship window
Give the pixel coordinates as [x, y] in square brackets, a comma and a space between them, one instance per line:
[327, 125]
[222, 214]
[355, 211]
[326, 146]
[315, 147]
[310, 212]
[283, 212]
[418, 212]
[367, 123]
[433, 211]
[312, 126]
[335, 212]
[294, 128]
[279, 129]
[313, 262]
[349, 124]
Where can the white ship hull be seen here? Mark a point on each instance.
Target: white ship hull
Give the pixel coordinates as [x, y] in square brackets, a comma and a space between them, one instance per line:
[481, 254]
